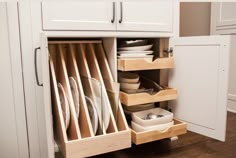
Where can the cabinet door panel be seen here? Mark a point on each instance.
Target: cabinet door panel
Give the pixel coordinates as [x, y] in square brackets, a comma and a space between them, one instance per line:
[201, 78]
[78, 15]
[225, 14]
[149, 15]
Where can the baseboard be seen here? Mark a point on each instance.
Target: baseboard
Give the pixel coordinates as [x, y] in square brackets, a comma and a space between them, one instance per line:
[231, 106]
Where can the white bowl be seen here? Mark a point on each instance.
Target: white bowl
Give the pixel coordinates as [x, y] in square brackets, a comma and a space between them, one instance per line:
[138, 48]
[139, 117]
[132, 43]
[129, 86]
[128, 77]
[138, 128]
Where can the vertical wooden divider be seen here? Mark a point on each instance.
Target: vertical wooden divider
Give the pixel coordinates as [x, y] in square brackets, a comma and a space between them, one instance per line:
[107, 75]
[59, 127]
[84, 71]
[73, 130]
[84, 120]
[96, 73]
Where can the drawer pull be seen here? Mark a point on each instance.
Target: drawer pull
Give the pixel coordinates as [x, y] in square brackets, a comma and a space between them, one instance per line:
[113, 14]
[121, 12]
[35, 66]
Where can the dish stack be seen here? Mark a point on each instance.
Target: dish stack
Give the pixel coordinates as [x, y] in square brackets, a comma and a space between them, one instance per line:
[135, 49]
[152, 119]
[128, 81]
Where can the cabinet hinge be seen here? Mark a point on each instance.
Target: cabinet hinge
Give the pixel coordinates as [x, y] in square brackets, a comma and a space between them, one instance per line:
[169, 51]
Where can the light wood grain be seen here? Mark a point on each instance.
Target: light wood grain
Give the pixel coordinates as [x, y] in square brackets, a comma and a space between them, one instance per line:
[148, 136]
[73, 41]
[142, 64]
[84, 119]
[143, 98]
[73, 130]
[59, 130]
[98, 144]
[96, 73]
[107, 75]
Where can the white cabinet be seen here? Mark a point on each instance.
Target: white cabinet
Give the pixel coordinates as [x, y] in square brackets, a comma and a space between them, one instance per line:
[201, 78]
[223, 18]
[108, 15]
[223, 22]
[79, 15]
[149, 15]
[13, 133]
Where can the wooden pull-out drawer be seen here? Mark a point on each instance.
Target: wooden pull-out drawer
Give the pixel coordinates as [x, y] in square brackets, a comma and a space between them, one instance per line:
[148, 136]
[79, 140]
[143, 98]
[142, 64]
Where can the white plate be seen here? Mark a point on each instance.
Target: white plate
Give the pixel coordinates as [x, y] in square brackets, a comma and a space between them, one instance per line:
[136, 57]
[132, 43]
[92, 114]
[75, 94]
[64, 105]
[137, 48]
[135, 52]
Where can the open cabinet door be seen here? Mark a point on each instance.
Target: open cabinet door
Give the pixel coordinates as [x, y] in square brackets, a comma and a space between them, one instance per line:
[47, 142]
[201, 78]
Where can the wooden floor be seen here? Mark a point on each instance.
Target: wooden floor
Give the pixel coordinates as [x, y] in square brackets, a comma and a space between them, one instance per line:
[190, 145]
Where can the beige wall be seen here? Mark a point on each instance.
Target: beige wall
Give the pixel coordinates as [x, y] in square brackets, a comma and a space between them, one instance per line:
[195, 18]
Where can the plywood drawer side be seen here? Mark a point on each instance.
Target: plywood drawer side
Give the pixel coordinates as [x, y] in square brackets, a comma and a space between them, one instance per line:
[144, 137]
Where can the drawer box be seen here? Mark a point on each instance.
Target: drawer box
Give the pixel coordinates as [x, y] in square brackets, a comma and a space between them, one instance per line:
[142, 64]
[148, 136]
[143, 98]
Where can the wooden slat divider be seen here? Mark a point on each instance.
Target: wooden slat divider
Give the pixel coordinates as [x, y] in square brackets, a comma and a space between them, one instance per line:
[107, 75]
[96, 73]
[84, 119]
[73, 130]
[85, 71]
[59, 128]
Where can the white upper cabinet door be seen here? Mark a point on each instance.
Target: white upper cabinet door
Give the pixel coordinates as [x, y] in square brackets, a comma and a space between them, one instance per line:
[223, 18]
[79, 15]
[145, 15]
[201, 78]
[226, 15]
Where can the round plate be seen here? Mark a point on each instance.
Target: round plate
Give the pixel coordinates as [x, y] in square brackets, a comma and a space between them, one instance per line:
[92, 114]
[135, 52]
[137, 48]
[132, 43]
[64, 105]
[75, 94]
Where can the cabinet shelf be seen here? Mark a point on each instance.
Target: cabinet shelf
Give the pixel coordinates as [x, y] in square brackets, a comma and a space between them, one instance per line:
[143, 98]
[142, 64]
[148, 136]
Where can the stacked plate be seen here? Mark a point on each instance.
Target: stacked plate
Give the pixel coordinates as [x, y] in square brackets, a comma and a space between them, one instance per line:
[133, 49]
[128, 81]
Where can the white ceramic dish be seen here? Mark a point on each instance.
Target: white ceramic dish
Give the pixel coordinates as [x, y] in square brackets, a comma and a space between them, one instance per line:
[132, 43]
[92, 114]
[138, 128]
[139, 117]
[135, 52]
[137, 48]
[129, 86]
[64, 105]
[75, 94]
[134, 55]
[128, 77]
[144, 57]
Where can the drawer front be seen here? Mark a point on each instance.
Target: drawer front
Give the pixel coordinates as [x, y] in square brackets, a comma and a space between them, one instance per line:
[149, 15]
[78, 15]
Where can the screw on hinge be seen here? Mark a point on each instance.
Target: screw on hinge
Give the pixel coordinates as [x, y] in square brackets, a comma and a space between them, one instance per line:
[169, 51]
